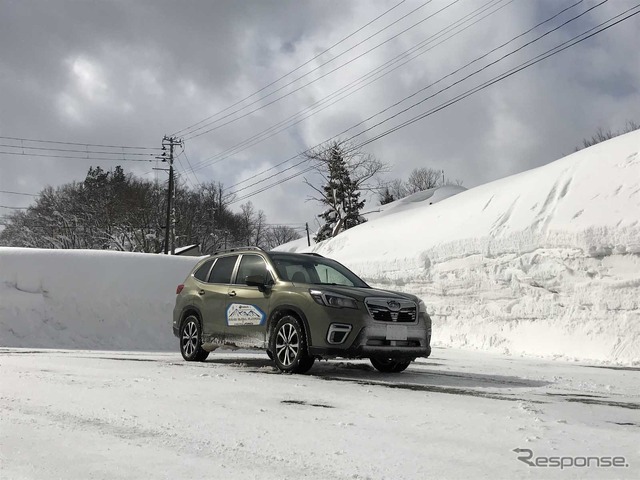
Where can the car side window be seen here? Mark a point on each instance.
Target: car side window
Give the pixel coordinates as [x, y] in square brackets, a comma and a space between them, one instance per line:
[223, 269]
[251, 265]
[203, 272]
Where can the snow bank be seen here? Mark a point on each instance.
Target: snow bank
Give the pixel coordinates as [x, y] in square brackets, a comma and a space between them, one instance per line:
[546, 262]
[88, 299]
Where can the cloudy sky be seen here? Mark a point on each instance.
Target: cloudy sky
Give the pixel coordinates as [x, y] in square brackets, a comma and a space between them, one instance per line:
[125, 73]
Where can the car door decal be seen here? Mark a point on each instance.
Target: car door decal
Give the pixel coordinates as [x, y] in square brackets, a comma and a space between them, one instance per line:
[240, 314]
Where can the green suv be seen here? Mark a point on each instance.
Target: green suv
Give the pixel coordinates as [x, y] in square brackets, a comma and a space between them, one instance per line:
[298, 307]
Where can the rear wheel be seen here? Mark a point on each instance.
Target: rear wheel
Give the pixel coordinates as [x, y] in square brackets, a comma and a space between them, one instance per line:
[389, 365]
[288, 345]
[191, 340]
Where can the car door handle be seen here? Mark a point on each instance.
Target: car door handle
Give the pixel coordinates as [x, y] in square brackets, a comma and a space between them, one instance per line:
[232, 293]
[201, 292]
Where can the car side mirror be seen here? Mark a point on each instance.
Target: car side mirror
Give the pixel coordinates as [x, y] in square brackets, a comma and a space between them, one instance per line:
[256, 281]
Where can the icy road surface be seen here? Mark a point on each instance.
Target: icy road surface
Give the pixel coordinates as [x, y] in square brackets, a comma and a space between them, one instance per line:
[112, 415]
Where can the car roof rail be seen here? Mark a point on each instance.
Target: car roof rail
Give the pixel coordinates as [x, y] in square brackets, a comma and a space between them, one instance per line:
[237, 249]
[312, 253]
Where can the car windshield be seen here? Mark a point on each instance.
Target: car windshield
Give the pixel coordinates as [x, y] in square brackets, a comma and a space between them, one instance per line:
[315, 270]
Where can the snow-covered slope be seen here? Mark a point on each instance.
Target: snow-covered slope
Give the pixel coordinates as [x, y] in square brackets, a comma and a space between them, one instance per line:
[88, 299]
[544, 262]
[416, 200]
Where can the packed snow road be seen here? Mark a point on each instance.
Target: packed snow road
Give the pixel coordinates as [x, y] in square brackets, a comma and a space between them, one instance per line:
[105, 415]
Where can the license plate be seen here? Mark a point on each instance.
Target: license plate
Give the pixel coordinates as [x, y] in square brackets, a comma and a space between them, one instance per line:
[396, 332]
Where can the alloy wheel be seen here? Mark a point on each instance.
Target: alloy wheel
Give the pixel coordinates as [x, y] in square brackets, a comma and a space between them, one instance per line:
[189, 338]
[287, 344]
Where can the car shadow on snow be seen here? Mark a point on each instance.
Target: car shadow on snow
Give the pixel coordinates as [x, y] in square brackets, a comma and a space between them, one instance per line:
[424, 374]
[419, 377]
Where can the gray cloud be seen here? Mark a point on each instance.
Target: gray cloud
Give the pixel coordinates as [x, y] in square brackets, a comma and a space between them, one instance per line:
[126, 73]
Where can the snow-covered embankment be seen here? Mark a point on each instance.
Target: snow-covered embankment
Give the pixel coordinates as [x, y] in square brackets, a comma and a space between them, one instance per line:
[546, 262]
[88, 299]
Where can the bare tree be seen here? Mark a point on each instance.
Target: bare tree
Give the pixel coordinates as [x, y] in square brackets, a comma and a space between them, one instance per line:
[111, 210]
[279, 235]
[252, 223]
[423, 179]
[602, 135]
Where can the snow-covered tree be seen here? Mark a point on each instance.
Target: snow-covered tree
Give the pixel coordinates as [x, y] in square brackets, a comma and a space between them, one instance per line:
[345, 171]
[117, 211]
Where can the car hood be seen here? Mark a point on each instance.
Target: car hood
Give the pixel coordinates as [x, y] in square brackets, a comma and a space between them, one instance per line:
[362, 293]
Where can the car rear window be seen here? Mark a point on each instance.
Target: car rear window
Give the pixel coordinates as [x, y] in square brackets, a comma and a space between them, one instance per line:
[223, 269]
[202, 272]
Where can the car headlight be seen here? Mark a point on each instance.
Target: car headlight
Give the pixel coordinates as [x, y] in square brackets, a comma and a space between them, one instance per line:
[330, 299]
[422, 308]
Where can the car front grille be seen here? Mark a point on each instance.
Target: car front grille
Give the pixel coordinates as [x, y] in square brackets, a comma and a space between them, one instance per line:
[380, 310]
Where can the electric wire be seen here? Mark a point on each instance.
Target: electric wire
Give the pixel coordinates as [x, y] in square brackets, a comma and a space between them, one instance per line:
[294, 70]
[424, 88]
[343, 93]
[191, 170]
[13, 208]
[547, 54]
[77, 144]
[109, 159]
[458, 81]
[101, 152]
[555, 50]
[193, 134]
[19, 193]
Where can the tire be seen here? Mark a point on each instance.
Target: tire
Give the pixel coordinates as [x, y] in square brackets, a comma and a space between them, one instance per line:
[191, 340]
[389, 365]
[288, 344]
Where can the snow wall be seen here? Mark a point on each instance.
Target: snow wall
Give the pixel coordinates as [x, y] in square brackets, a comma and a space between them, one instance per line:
[545, 262]
[88, 299]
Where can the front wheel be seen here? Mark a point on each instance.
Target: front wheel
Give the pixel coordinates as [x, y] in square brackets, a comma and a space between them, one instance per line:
[389, 365]
[288, 345]
[191, 340]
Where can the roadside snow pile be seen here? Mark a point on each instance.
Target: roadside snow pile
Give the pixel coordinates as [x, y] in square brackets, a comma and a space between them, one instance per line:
[545, 262]
[88, 299]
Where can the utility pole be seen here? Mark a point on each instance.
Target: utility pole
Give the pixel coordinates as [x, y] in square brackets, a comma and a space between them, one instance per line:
[306, 226]
[170, 227]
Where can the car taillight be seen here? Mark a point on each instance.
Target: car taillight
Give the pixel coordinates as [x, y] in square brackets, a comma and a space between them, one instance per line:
[179, 289]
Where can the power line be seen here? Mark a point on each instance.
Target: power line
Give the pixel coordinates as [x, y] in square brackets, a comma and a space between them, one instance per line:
[539, 37]
[184, 151]
[78, 158]
[302, 76]
[13, 208]
[77, 144]
[422, 89]
[549, 53]
[20, 193]
[79, 227]
[294, 70]
[23, 147]
[193, 134]
[266, 134]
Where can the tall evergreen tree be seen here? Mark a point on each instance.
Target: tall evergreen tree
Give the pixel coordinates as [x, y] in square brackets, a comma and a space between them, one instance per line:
[341, 197]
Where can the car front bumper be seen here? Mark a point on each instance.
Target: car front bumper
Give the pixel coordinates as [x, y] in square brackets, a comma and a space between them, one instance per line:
[373, 340]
